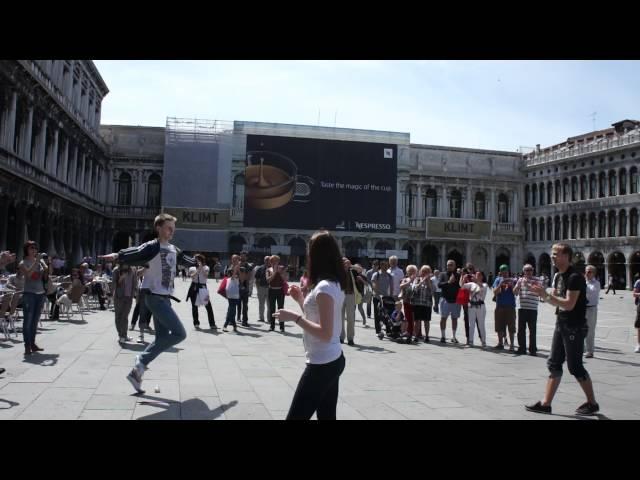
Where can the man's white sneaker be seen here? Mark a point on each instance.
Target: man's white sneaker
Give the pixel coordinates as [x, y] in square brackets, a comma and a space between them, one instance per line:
[135, 379]
[637, 350]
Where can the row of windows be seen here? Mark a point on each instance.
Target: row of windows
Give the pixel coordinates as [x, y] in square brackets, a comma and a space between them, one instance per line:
[604, 224]
[583, 188]
[153, 190]
[431, 202]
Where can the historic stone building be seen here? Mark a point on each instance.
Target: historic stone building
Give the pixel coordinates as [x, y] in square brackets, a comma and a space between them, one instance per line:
[585, 191]
[81, 189]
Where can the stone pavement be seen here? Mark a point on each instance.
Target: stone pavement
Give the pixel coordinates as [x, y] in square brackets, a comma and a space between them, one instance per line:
[253, 374]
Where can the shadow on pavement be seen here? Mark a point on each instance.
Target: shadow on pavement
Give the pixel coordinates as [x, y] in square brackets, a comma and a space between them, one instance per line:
[44, 359]
[192, 409]
[139, 347]
[9, 402]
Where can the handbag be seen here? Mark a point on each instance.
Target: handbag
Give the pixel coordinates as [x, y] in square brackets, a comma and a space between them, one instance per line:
[203, 296]
[462, 297]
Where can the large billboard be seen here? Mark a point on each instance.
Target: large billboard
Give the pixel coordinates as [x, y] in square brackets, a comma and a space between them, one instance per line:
[304, 183]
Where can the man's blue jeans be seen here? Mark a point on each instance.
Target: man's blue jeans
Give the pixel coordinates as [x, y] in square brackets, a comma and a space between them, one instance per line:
[169, 329]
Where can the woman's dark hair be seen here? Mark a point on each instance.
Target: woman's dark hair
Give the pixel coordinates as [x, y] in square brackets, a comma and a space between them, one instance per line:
[324, 260]
[27, 245]
[484, 277]
[200, 257]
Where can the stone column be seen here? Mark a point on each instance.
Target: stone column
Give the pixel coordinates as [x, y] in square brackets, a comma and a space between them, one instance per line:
[400, 186]
[467, 251]
[11, 125]
[83, 160]
[516, 208]
[26, 141]
[470, 203]
[72, 175]
[492, 259]
[4, 222]
[21, 230]
[68, 88]
[42, 143]
[142, 179]
[36, 222]
[53, 168]
[65, 162]
[492, 207]
[444, 205]
[87, 180]
[443, 256]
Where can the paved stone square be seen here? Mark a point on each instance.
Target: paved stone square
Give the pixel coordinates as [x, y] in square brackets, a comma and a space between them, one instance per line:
[253, 374]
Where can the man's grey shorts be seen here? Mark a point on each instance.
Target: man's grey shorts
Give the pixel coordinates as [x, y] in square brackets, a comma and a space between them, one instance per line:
[447, 309]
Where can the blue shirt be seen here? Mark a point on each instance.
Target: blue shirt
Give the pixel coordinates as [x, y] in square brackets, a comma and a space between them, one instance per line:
[506, 297]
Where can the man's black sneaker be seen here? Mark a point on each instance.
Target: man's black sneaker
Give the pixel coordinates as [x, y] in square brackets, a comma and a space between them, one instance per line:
[351, 343]
[538, 408]
[443, 340]
[588, 409]
[499, 347]
[521, 352]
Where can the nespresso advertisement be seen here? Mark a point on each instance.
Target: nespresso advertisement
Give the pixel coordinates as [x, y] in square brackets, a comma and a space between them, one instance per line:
[304, 183]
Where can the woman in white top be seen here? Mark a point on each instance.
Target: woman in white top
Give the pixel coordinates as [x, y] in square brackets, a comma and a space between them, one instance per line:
[321, 321]
[477, 309]
[199, 275]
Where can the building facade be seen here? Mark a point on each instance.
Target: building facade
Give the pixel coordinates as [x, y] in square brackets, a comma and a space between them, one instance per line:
[80, 188]
[585, 192]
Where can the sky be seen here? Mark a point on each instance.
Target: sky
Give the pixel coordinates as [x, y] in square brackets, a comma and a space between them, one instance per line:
[495, 105]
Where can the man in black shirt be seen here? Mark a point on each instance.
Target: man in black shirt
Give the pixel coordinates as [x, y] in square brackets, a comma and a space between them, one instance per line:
[449, 283]
[570, 298]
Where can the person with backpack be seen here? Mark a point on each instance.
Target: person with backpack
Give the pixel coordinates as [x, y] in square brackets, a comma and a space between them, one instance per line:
[382, 287]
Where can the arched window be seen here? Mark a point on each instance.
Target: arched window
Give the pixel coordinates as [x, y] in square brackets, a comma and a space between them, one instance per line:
[455, 204]
[556, 228]
[479, 206]
[549, 193]
[583, 187]
[622, 222]
[409, 201]
[534, 230]
[574, 226]
[432, 203]
[557, 196]
[154, 189]
[593, 185]
[526, 230]
[124, 189]
[623, 181]
[526, 196]
[583, 225]
[542, 230]
[592, 225]
[602, 225]
[612, 223]
[603, 185]
[574, 189]
[503, 208]
[613, 183]
[633, 173]
[565, 190]
[542, 194]
[565, 227]
[534, 195]
[633, 222]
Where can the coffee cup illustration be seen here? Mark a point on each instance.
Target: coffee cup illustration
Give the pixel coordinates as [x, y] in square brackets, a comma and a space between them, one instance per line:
[272, 181]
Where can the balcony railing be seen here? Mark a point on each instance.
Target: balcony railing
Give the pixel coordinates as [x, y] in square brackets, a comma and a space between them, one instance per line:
[513, 228]
[597, 146]
[131, 212]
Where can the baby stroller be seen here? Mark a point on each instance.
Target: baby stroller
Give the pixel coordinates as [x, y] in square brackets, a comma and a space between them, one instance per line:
[386, 306]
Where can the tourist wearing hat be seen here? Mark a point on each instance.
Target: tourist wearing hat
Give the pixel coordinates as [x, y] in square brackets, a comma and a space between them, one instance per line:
[505, 313]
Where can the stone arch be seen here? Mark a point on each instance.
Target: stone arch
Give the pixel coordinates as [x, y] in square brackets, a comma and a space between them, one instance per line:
[430, 256]
[616, 266]
[597, 260]
[544, 264]
[236, 244]
[503, 256]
